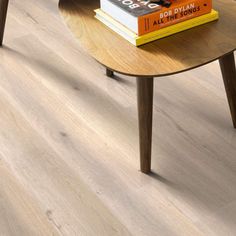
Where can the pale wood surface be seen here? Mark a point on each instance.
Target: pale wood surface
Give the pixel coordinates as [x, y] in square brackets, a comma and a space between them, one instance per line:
[69, 142]
[171, 55]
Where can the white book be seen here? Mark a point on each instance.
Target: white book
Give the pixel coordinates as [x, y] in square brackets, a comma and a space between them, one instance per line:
[125, 12]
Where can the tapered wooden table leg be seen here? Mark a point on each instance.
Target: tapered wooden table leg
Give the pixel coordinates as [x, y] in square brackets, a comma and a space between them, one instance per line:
[145, 108]
[227, 64]
[109, 73]
[3, 15]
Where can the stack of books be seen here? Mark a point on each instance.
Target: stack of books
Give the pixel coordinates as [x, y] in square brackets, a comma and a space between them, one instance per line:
[143, 21]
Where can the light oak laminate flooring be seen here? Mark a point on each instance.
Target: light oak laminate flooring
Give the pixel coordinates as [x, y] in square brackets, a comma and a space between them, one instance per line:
[69, 154]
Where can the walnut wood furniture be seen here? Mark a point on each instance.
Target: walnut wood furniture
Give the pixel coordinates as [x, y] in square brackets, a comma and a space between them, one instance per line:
[174, 54]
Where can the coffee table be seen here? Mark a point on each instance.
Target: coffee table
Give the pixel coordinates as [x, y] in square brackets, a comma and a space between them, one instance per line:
[175, 54]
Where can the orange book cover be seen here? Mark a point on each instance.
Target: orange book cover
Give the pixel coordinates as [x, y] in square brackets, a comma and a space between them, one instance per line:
[178, 11]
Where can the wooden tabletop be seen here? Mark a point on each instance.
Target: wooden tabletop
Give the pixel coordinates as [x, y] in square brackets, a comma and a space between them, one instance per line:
[174, 54]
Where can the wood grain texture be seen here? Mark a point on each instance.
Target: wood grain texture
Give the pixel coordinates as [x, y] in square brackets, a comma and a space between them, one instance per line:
[228, 69]
[20, 212]
[145, 107]
[62, 120]
[171, 55]
[3, 14]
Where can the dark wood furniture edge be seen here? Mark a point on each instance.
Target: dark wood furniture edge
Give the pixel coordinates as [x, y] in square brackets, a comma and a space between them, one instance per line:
[228, 69]
[3, 15]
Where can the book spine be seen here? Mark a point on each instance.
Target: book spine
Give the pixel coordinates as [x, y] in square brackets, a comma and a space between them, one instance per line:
[176, 14]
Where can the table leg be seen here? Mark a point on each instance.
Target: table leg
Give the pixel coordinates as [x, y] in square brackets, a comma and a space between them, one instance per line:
[145, 108]
[109, 73]
[227, 64]
[3, 15]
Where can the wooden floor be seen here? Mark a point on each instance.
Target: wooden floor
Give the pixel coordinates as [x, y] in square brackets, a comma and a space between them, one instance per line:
[69, 142]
